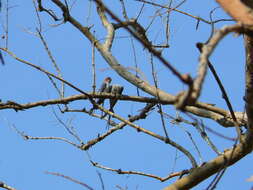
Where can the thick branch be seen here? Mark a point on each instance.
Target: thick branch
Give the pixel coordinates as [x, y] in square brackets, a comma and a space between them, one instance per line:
[238, 10]
[249, 81]
[220, 116]
[109, 27]
[203, 172]
[69, 99]
[5, 186]
[245, 146]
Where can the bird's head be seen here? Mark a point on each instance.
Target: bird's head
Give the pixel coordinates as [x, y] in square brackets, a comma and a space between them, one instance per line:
[108, 79]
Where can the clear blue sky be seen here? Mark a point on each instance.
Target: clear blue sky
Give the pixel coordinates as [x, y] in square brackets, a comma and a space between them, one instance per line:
[23, 163]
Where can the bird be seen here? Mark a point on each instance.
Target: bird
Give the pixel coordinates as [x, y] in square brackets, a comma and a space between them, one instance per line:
[116, 90]
[105, 87]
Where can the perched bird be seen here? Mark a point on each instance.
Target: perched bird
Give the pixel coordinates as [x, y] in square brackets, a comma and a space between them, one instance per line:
[105, 87]
[116, 90]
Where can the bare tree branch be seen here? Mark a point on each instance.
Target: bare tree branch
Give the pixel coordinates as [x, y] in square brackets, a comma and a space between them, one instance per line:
[5, 186]
[109, 27]
[162, 179]
[238, 10]
[70, 179]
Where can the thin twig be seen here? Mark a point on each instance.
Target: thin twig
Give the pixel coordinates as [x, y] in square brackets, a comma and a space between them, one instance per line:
[159, 105]
[201, 129]
[93, 66]
[50, 12]
[135, 64]
[193, 142]
[57, 68]
[101, 180]
[162, 179]
[140, 11]
[7, 24]
[185, 13]
[68, 128]
[70, 179]
[167, 28]
[37, 15]
[124, 12]
[28, 137]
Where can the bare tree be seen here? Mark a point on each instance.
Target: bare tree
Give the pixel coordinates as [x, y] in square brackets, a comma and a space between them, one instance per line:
[118, 35]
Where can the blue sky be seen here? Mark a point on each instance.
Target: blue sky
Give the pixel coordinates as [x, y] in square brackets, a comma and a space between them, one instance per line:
[23, 163]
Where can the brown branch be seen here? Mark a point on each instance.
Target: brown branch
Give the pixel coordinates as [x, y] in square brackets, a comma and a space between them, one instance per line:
[119, 171]
[203, 110]
[93, 66]
[223, 118]
[136, 28]
[109, 27]
[238, 10]
[5, 186]
[197, 175]
[67, 100]
[141, 115]
[185, 13]
[50, 12]
[156, 53]
[27, 137]
[234, 154]
[248, 40]
[110, 122]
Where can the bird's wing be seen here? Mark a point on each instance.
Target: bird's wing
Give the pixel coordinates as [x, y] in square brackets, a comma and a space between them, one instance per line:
[102, 87]
[116, 89]
[108, 89]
